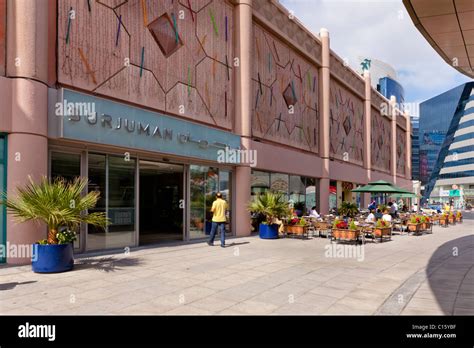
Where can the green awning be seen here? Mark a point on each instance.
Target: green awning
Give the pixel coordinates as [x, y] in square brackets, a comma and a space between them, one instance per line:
[381, 186]
[405, 195]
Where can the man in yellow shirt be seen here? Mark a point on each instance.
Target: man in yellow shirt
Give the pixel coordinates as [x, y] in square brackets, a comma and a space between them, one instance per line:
[219, 207]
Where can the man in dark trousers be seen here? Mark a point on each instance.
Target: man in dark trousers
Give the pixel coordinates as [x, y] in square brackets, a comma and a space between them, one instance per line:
[219, 207]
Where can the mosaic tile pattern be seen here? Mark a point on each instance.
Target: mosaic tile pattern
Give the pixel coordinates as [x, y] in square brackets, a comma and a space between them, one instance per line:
[285, 94]
[380, 144]
[401, 143]
[126, 49]
[346, 125]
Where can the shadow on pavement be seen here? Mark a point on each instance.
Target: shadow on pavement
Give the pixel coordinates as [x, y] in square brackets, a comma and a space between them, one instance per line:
[10, 286]
[447, 269]
[106, 264]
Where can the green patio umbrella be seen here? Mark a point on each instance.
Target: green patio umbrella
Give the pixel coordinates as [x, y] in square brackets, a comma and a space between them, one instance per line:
[381, 187]
[405, 195]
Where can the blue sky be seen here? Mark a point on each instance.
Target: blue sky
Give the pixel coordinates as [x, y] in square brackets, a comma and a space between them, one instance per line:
[381, 29]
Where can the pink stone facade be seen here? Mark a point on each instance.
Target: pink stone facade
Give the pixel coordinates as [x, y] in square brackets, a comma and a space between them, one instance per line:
[380, 143]
[241, 66]
[346, 124]
[185, 69]
[285, 94]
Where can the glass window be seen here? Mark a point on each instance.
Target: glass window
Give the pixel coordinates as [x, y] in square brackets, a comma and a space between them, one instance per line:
[332, 194]
[310, 190]
[279, 182]
[67, 166]
[114, 178]
[225, 187]
[298, 193]
[97, 180]
[205, 183]
[260, 182]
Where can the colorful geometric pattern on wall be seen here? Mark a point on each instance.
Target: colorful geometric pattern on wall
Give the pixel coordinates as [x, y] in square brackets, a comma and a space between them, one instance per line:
[401, 142]
[380, 143]
[285, 94]
[173, 56]
[346, 124]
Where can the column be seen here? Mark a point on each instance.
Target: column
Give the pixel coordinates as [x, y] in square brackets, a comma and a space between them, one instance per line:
[324, 120]
[243, 110]
[367, 135]
[408, 146]
[28, 45]
[393, 142]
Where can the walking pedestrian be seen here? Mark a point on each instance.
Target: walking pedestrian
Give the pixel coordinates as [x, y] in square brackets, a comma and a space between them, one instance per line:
[219, 207]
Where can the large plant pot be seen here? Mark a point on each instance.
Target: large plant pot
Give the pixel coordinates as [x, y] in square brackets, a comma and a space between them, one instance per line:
[426, 226]
[268, 231]
[443, 222]
[382, 231]
[295, 229]
[345, 234]
[414, 227]
[52, 258]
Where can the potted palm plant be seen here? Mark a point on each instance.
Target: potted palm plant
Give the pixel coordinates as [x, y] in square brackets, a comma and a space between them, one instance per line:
[60, 205]
[348, 209]
[273, 206]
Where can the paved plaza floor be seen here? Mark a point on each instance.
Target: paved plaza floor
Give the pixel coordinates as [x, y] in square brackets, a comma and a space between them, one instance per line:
[428, 274]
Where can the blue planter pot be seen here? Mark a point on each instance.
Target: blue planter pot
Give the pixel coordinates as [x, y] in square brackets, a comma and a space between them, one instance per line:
[268, 231]
[52, 258]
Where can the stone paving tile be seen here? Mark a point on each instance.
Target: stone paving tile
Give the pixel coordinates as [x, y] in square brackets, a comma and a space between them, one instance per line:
[213, 304]
[254, 307]
[329, 291]
[285, 276]
[189, 310]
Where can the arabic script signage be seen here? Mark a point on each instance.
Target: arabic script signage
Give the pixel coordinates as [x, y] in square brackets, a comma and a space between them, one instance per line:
[96, 120]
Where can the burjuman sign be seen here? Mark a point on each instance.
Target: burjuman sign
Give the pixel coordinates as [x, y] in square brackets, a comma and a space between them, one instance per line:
[84, 117]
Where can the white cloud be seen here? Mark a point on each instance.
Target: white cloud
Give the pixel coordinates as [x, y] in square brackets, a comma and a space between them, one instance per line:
[380, 29]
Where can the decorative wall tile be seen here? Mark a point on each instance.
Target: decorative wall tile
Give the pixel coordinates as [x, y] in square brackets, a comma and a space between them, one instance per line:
[127, 50]
[346, 124]
[400, 150]
[380, 143]
[285, 94]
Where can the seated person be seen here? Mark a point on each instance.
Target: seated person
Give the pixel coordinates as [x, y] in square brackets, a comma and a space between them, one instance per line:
[386, 216]
[371, 217]
[378, 214]
[314, 213]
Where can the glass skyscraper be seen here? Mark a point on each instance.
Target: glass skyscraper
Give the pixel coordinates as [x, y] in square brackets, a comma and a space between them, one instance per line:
[388, 87]
[415, 144]
[446, 149]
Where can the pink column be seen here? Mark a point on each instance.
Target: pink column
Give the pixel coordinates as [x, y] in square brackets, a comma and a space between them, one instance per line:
[243, 110]
[29, 40]
[367, 135]
[393, 142]
[408, 147]
[324, 119]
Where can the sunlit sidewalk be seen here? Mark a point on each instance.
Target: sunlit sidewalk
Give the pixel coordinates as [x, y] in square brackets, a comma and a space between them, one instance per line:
[429, 274]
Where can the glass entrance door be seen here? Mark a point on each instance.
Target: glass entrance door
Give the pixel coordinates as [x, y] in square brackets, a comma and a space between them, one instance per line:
[161, 202]
[205, 182]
